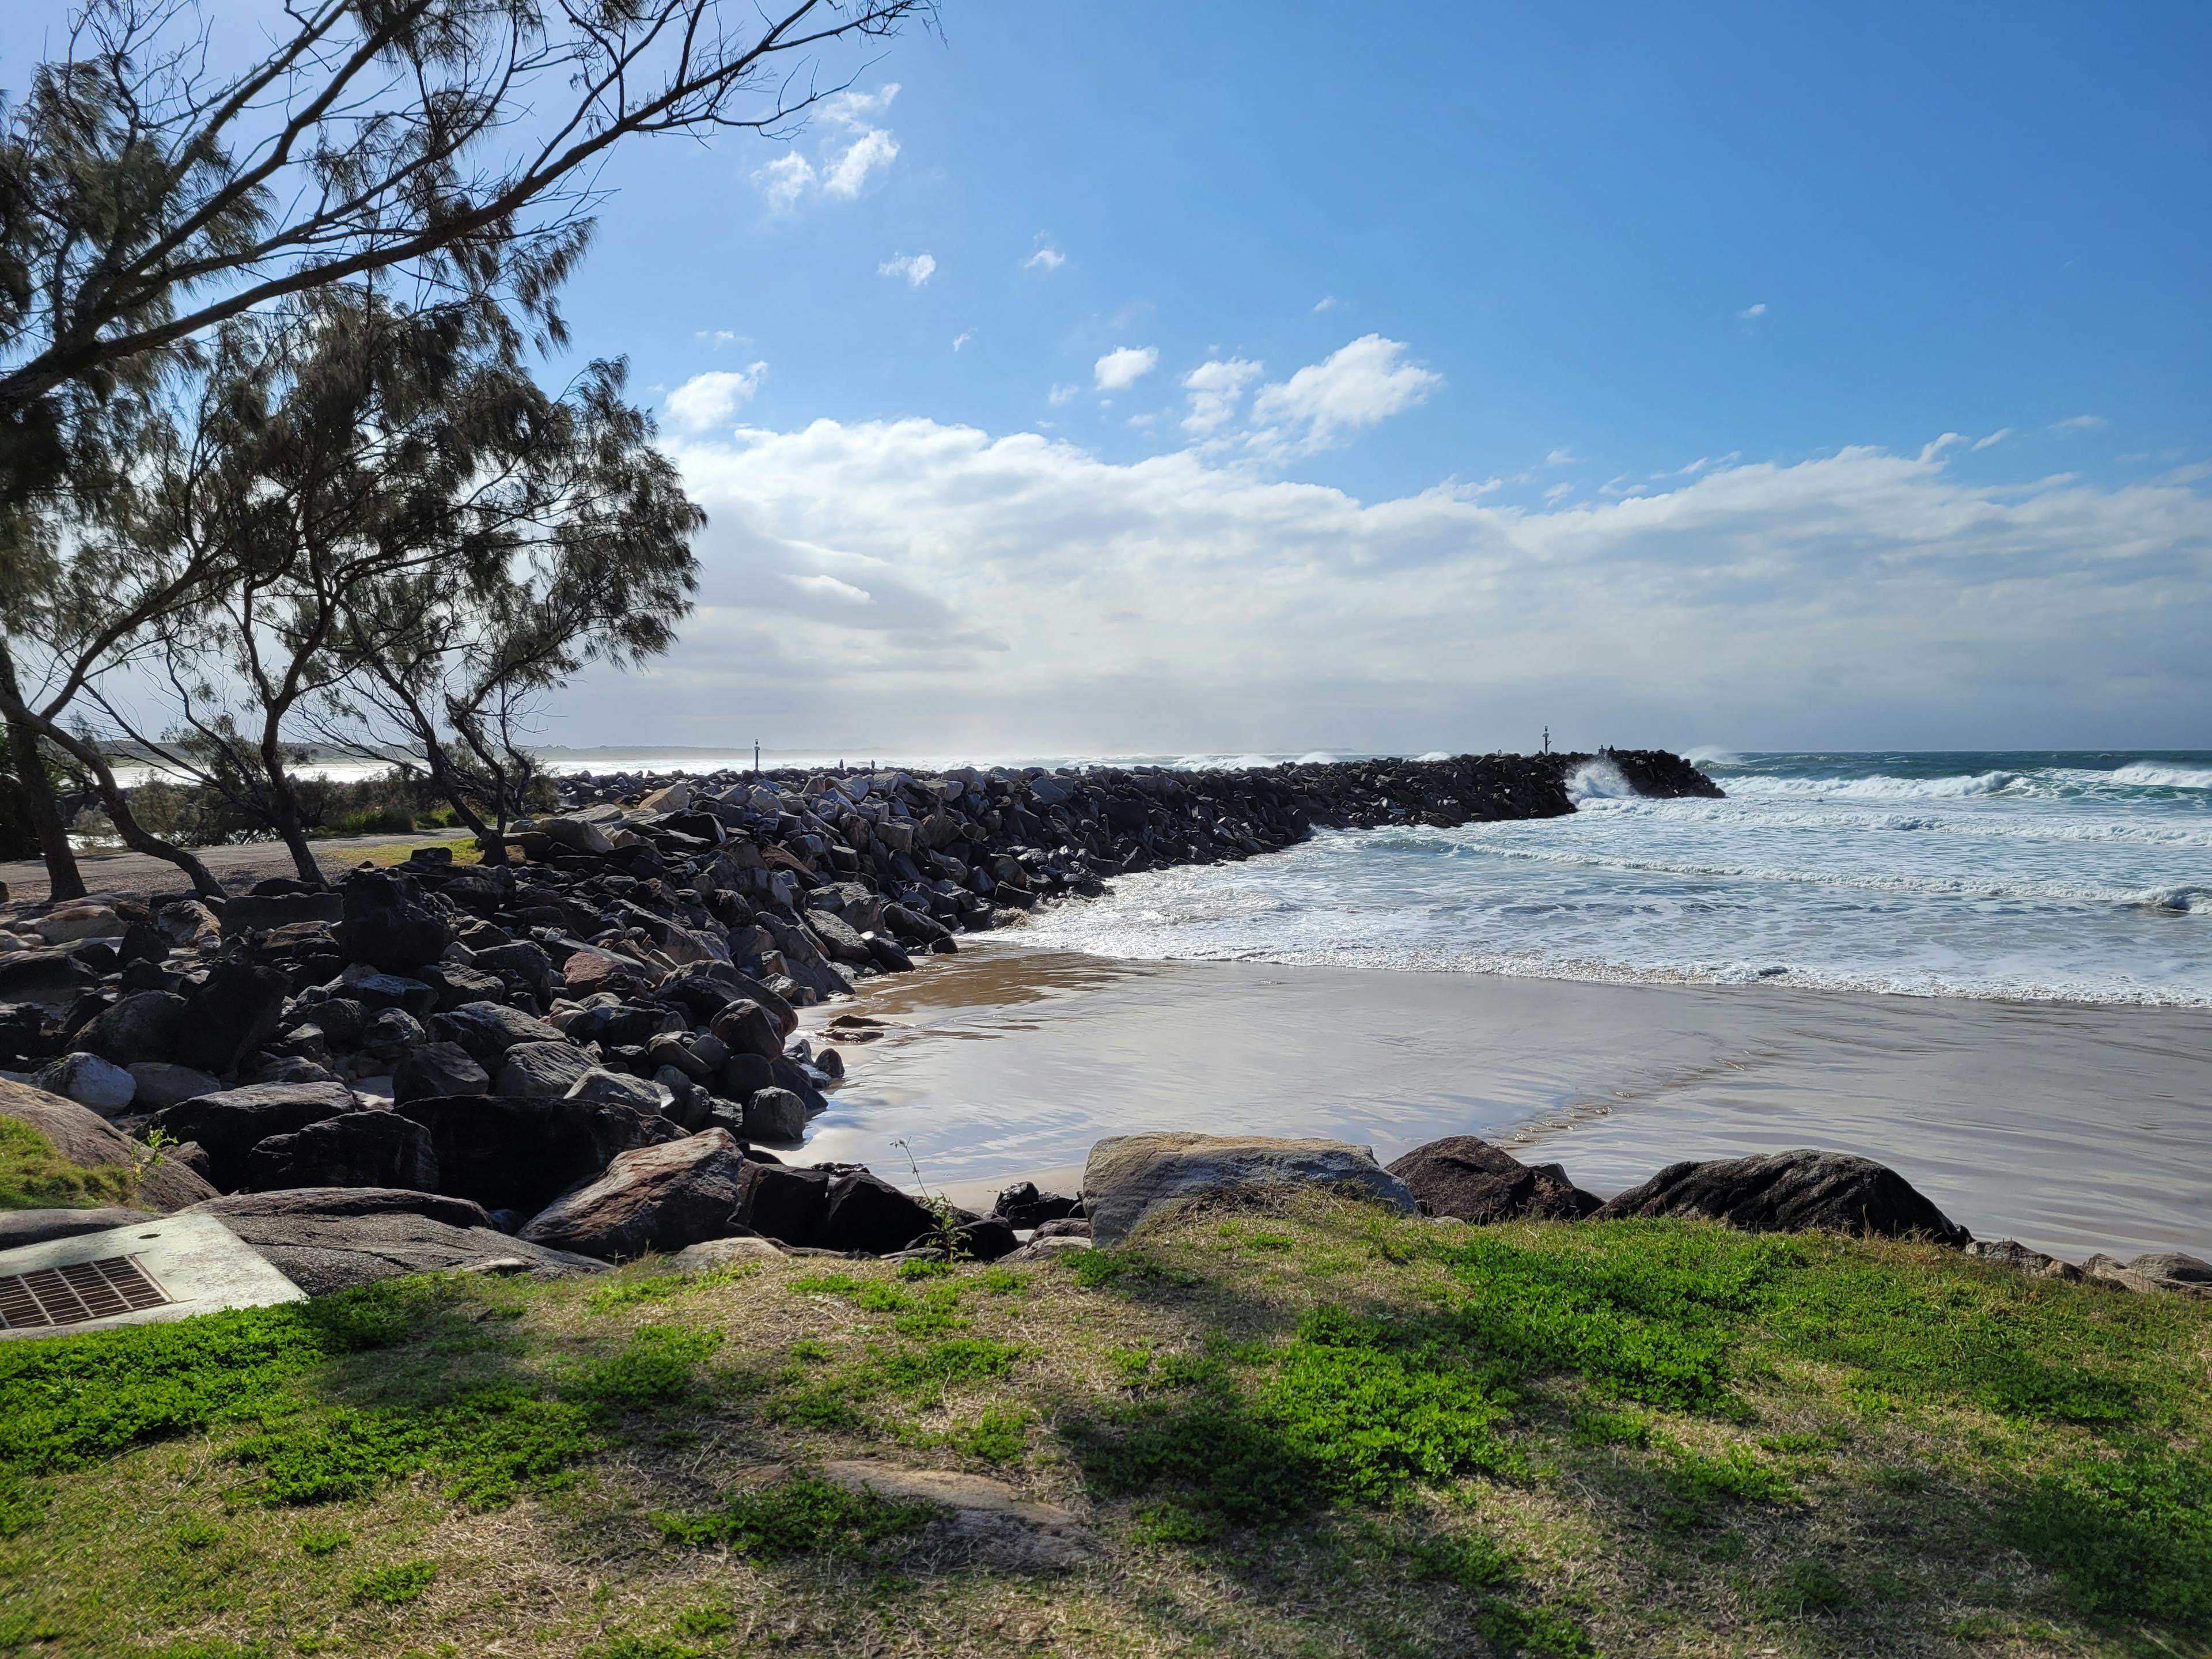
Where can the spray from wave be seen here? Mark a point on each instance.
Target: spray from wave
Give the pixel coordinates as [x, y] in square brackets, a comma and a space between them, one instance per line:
[1598, 780]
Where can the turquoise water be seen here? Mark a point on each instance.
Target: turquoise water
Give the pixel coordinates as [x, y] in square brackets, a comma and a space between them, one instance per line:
[2061, 875]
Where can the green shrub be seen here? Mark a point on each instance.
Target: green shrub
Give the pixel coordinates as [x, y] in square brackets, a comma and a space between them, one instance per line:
[802, 1515]
[396, 1585]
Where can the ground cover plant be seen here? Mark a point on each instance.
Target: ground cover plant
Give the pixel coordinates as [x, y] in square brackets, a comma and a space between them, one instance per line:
[1300, 1430]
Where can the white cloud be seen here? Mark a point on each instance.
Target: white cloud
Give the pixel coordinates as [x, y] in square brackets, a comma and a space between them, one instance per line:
[852, 149]
[1563, 457]
[927, 585]
[962, 337]
[1062, 394]
[1123, 366]
[1355, 385]
[1215, 388]
[711, 398]
[1045, 258]
[2078, 423]
[916, 268]
[1558, 491]
[1994, 439]
[1750, 311]
[715, 339]
[1327, 302]
[870, 152]
[785, 179]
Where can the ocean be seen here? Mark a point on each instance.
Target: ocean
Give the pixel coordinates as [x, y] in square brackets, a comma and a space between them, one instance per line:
[2046, 876]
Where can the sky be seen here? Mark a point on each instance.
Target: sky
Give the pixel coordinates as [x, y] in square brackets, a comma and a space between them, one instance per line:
[1227, 379]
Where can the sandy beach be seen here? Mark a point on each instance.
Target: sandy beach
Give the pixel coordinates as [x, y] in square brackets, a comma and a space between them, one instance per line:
[2072, 1128]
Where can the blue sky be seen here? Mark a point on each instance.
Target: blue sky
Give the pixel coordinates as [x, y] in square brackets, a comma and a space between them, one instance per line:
[1229, 378]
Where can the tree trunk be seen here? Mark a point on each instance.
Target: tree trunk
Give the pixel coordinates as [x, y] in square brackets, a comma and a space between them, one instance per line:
[135, 834]
[63, 880]
[284, 814]
[493, 841]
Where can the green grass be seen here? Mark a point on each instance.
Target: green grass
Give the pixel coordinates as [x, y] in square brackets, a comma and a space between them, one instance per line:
[33, 1175]
[1323, 1434]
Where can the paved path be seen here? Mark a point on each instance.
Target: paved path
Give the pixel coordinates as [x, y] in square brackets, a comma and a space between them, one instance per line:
[133, 875]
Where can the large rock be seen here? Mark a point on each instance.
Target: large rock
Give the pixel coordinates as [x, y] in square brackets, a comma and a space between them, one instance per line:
[746, 1028]
[21, 1227]
[327, 1239]
[1023, 1206]
[143, 1025]
[88, 1079]
[48, 976]
[90, 1141]
[1128, 1177]
[621, 1089]
[386, 925]
[1792, 1192]
[234, 1013]
[775, 1114]
[489, 1029]
[783, 1202]
[541, 1071]
[73, 922]
[263, 912]
[163, 1084]
[2164, 1270]
[1467, 1177]
[231, 1123]
[437, 1068]
[656, 1198]
[358, 1149]
[508, 1153]
[865, 1213]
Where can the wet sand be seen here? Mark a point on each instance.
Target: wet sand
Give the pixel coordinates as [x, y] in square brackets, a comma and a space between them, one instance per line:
[2073, 1128]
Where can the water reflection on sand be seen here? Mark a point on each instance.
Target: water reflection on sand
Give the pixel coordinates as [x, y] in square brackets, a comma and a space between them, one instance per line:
[2071, 1127]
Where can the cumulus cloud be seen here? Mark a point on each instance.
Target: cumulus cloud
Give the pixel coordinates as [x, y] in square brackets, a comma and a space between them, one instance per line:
[1045, 258]
[1018, 594]
[850, 151]
[1062, 394]
[1327, 302]
[1355, 385]
[916, 268]
[1750, 311]
[711, 398]
[1123, 366]
[1215, 388]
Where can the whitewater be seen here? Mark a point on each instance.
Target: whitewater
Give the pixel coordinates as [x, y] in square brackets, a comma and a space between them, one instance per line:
[2049, 877]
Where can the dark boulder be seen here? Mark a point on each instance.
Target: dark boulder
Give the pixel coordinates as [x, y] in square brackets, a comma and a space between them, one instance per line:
[1792, 1192]
[432, 1069]
[517, 1154]
[489, 1029]
[745, 1027]
[541, 1071]
[623, 1025]
[1467, 1177]
[655, 1198]
[376, 992]
[781, 1202]
[524, 962]
[358, 1149]
[1023, 1206]
[456, 984]
[987, 1238]
[740, 1077]
[143, 1025]
[866, 1212]
[263, 912]
[386, 925]
[392, 1033]
[326, 1239]
[235, 1011]
[775, 1114]
[229, 1124]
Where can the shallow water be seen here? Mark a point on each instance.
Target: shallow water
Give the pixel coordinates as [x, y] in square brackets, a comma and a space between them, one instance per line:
[2073, 1128]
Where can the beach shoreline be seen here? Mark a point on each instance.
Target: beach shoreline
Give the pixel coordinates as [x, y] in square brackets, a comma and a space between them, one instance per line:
[2074, 1127]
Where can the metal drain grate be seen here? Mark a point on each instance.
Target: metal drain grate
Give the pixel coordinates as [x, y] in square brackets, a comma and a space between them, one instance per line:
[74, 1294]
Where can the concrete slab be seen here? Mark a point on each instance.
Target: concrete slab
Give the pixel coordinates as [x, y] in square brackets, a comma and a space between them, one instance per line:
[166, 1267]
